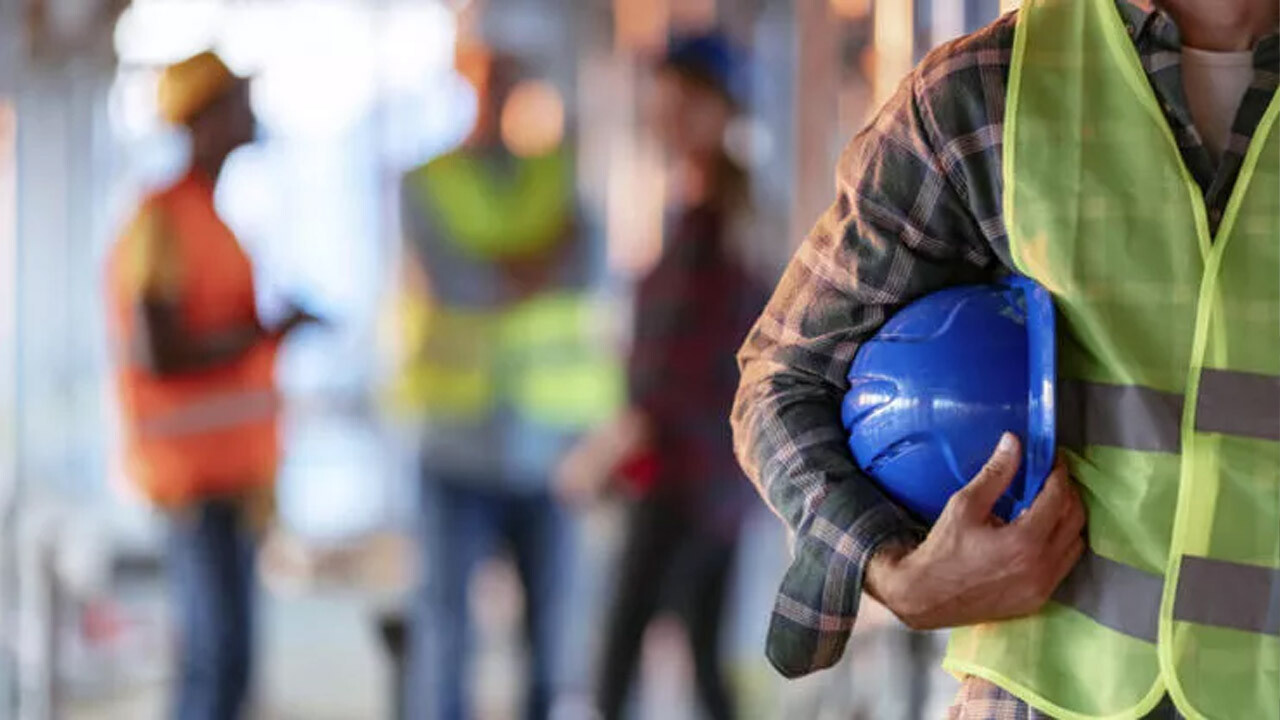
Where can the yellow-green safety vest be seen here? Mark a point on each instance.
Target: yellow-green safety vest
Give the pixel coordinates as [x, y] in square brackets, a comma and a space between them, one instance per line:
[494, 215]
[542, 357]
[1169, 397]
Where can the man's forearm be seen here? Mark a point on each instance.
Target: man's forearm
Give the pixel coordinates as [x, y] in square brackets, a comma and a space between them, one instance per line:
[165, 347]
[790, 442]
[897, 230]
[880, 579]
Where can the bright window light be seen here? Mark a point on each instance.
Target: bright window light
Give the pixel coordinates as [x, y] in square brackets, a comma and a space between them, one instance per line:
[317, 64]
[416, 44]
[158, 32]
[317, 72]
[132, 103]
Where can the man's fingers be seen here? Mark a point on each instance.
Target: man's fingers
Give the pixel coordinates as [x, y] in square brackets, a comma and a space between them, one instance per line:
[1049, 507]
[980, 495]
[1067, 561]
[1071, 523]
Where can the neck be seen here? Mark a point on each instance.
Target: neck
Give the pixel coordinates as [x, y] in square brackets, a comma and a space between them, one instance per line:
[486, 133]
[696, 176]
[1223, 25]
[210, 164]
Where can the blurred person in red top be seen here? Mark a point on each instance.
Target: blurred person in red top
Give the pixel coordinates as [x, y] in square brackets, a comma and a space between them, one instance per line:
[672, 449]
[197, 390]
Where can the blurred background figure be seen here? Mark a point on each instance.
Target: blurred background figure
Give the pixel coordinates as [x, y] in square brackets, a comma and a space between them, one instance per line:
[505, 369]
[196, 374]
[672, 445]
[576, 183]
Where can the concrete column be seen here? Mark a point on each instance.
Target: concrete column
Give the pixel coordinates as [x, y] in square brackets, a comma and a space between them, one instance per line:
[10, 45]
[816, 112]
[894, 35]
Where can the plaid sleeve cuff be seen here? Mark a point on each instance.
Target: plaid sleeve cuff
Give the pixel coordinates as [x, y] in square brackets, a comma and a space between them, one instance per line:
[818, 601]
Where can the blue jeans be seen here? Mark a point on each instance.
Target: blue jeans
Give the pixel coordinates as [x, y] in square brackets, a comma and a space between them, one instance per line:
[462, 526]
[211, 563]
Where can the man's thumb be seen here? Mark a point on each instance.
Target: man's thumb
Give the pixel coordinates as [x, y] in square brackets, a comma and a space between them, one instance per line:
[994, 478]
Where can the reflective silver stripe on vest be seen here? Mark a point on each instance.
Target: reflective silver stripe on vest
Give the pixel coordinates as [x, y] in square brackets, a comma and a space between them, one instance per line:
[1148, 420]
[212, 413]
[1114, 595]
[1227, 594]
[1210, 592]
[1239, 403]
[1124, 416]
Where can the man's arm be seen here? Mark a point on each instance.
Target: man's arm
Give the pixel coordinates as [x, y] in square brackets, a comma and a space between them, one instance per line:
[162, 344]
[165, 346]
[450, 276]
[898, 230]
[462, 279]
[917, 209]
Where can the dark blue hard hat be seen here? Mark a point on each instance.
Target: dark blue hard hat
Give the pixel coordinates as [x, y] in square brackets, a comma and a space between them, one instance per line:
[933, 391]
[712, 59]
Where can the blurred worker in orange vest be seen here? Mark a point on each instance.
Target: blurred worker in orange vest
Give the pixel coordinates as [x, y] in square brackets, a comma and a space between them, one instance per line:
[196, 379]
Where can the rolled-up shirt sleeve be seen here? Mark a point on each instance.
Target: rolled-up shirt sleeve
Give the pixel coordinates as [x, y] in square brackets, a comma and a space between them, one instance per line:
[899, 228]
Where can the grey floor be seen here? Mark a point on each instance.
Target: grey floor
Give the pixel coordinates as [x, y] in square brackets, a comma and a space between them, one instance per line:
[320, 659]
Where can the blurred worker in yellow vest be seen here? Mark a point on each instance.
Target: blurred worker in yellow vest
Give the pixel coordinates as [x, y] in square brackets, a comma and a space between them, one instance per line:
[504, 369]
[197, 390]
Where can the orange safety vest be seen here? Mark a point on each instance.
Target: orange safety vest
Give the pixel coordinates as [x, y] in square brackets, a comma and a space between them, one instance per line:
[207, 432]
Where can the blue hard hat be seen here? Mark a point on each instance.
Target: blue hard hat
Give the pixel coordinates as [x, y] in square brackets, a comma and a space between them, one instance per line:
[714, 59]
[933, 391]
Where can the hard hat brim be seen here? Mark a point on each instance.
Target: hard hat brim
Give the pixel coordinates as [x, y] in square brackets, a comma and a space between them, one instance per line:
[1042, 370]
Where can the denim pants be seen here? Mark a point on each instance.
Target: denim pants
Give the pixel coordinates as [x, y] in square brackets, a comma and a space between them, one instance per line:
[211, 554]
[461, 526]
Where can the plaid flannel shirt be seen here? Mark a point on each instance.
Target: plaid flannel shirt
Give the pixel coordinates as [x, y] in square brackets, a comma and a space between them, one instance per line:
[918, 208]
[692, 311]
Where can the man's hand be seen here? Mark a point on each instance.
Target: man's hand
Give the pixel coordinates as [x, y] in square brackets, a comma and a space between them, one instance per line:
[297, 318]
[583, 473]
[973, 567]
[588, 469]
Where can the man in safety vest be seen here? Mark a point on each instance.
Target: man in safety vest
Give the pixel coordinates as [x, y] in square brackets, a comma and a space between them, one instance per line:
[504, 369]
[1125, 156]
[197, 390]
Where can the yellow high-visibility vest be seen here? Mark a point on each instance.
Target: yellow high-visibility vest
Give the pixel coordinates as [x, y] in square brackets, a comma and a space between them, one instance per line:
[1170, 390]
[543, 357]
[498, 215]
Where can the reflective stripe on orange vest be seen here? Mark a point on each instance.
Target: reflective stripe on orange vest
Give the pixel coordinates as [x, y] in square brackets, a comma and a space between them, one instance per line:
[215, 412]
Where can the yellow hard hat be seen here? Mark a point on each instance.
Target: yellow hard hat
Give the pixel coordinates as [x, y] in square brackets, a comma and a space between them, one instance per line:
[189, 86]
